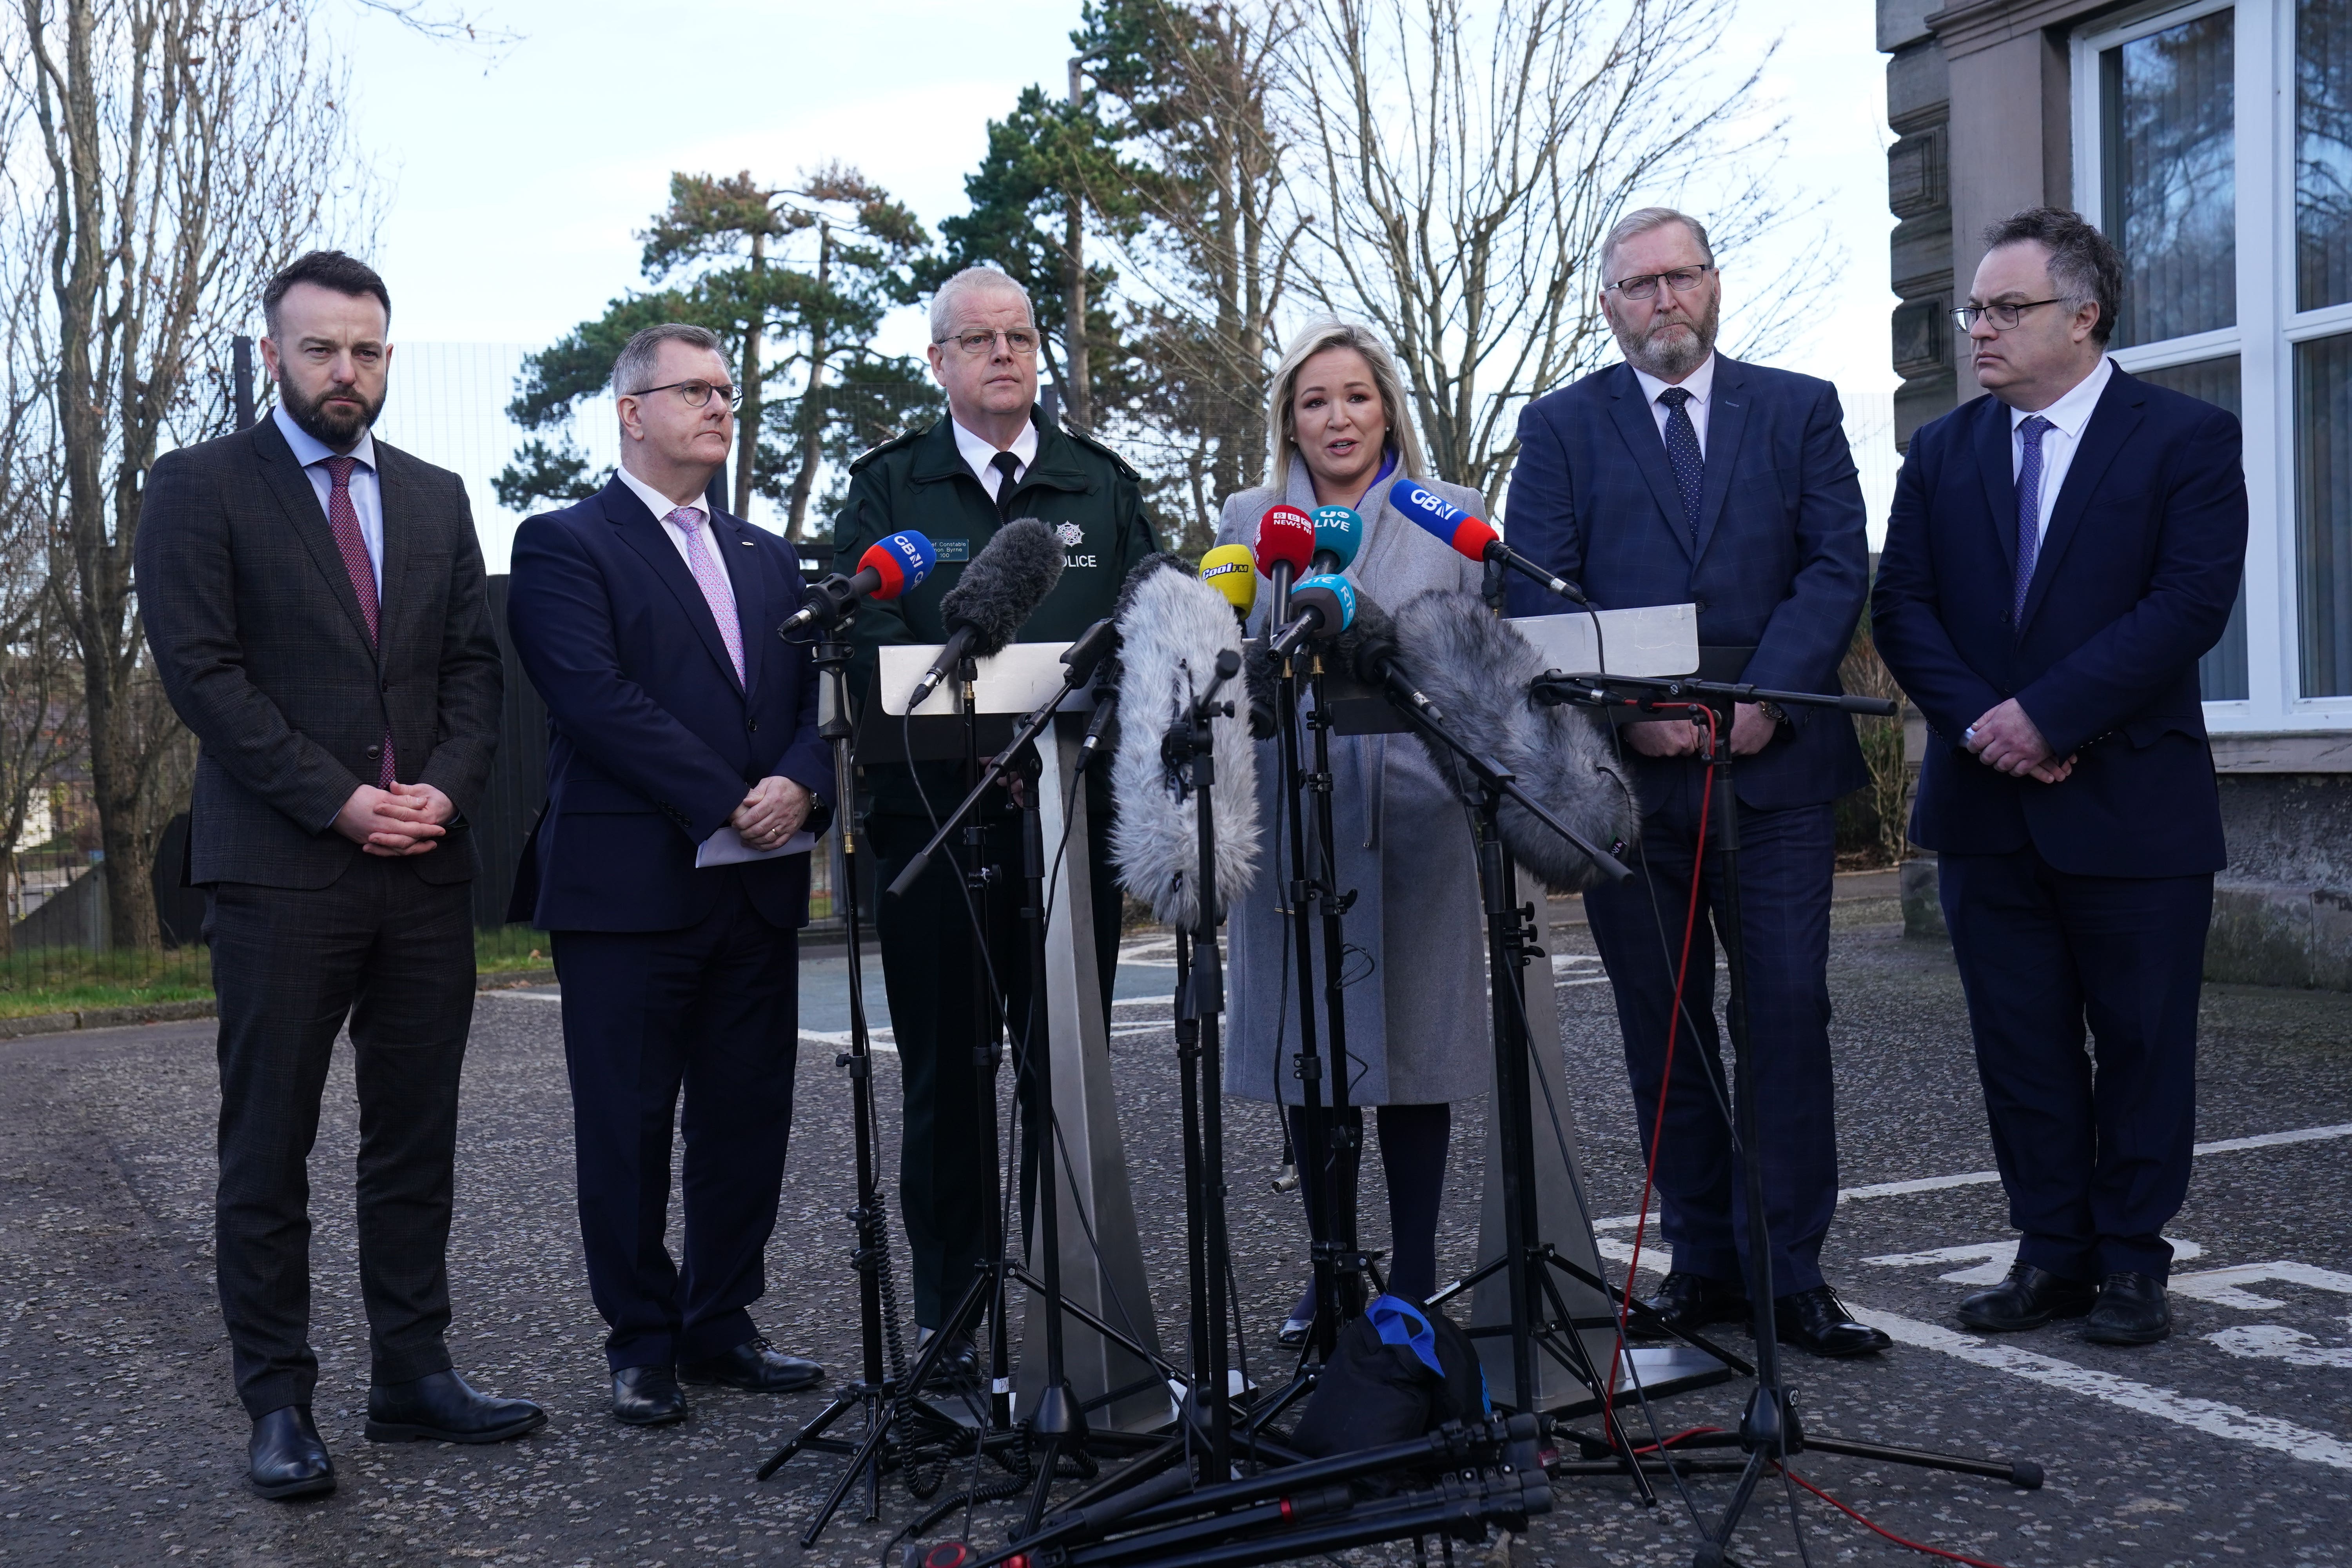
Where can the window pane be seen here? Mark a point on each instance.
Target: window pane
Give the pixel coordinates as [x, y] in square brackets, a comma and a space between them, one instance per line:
[2169, 144]
[2322, 153]
[2222, 671]
[2323, 507]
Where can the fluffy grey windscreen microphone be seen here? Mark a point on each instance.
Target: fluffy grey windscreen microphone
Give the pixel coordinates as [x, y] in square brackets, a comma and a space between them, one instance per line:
[1003, 584]
[1172, 628]
[1477, 670]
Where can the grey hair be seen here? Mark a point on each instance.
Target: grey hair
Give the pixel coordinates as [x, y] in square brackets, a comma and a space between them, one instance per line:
[1282, 425]
[1642, 220]
[2082, 261]
[635, 367]
[972, 279]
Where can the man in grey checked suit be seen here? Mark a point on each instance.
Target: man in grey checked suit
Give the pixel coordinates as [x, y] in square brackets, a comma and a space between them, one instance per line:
[316, 606]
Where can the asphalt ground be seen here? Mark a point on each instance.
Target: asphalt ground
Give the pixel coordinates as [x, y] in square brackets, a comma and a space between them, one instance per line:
[121, 1440]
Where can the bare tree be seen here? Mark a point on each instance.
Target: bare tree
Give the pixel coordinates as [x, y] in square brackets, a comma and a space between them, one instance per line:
[1467, 161]
[172, 153]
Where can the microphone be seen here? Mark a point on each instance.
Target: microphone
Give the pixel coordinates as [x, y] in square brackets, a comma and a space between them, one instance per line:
[1232, 571]
[1174, 629]
[1000, 589]
[1472, 536]
[1099, 652]
[1286, 549]
[1339, 534]
[1321, 608]
[888, 569]
[1368, 649]
[1478, 670]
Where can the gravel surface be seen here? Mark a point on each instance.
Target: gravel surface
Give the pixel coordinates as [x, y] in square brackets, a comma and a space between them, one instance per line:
[121, 1440]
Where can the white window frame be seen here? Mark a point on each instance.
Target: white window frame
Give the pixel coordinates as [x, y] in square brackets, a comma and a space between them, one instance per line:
[2268, 326]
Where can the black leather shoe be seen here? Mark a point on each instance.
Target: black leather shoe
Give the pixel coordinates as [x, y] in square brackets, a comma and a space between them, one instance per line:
[2132, 1310]
[648, 1396]
[1817, 1321]
[755, 1367]
[285, 1458]
[1687, 1302]
[441, 1408]
[958, 1364]
[2027, 1299]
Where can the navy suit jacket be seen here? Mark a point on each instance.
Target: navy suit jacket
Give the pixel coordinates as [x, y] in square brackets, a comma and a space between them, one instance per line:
[1782, 562]
[651, 743]
[2134, 583]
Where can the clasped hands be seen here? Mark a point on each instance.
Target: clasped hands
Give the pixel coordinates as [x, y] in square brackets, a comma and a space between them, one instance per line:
[1751, 733]
[772, 813]
[406, 819]
[2004, 738]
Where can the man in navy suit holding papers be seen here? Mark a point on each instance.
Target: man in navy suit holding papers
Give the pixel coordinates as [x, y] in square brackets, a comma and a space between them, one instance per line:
[2059, 556]
[671, 863]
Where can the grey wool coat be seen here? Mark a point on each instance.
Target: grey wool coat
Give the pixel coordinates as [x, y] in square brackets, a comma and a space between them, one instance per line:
[1415, 1005]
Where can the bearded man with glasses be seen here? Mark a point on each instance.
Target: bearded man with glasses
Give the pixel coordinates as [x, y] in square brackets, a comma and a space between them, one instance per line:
[1679, 477]
[993, 458]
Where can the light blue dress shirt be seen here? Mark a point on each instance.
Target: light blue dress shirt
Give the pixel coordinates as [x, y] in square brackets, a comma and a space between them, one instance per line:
[367, 494]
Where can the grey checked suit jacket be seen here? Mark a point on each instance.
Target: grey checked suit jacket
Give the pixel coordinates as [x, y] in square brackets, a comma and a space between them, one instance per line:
[261, 645]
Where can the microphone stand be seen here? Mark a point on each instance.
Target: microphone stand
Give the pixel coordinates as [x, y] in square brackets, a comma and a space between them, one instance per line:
[1769, 1428]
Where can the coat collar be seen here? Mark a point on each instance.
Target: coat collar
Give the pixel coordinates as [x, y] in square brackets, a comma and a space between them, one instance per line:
[282, 472]
[1727, 422]
[731, 538]
[1056, 467]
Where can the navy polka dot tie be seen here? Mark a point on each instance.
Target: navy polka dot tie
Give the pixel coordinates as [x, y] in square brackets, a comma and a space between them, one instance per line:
[1683, 453]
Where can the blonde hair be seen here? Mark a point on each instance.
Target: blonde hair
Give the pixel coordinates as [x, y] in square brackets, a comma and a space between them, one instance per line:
[1282, 427]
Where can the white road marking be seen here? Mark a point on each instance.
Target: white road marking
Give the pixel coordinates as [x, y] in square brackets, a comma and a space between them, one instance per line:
[2213, 1418]
[1996, 1255]
[2221, 1286]
[2269, 1342]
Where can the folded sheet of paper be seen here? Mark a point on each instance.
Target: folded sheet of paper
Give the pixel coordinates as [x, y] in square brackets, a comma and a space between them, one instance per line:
[726, 847]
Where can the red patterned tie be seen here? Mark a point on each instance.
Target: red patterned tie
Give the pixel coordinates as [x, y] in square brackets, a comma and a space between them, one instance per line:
[344, 518]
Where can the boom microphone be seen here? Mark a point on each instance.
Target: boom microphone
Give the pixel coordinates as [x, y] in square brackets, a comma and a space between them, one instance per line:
[1173, 628]
[1339, 534]
[1110, 670]
[1470, 535]
[888, 569]
[1320, 608]
[1479, 670]
[1002, 586]
[1286, 550]
[1232, 571]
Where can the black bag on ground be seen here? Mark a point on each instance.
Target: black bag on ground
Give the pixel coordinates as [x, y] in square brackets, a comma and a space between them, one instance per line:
[1394, 1374]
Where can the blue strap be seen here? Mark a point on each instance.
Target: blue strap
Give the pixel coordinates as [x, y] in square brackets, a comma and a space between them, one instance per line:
[1399, 1322]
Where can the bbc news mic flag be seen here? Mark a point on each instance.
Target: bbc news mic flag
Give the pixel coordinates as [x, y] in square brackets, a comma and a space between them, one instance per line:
[1285, 538]
[1173, 629]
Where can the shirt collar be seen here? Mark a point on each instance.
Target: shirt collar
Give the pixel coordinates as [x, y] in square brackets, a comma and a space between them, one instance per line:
[979, 451]
[2073, 411]
[660, 505]
[310, 451]
[1699, 383]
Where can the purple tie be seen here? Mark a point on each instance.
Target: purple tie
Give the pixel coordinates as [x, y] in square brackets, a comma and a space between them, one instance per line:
[716, 591]
[2029, 510]
[344, 520]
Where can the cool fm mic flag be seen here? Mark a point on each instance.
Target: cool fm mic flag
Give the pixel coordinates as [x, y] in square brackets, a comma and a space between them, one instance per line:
[1230, 571]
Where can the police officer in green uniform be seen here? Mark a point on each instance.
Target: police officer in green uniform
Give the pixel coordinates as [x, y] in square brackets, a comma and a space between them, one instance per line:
[992, 459]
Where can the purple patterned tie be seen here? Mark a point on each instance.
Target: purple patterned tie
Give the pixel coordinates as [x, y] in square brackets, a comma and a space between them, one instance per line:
[344, 520]
[717, 592]
[2029, 510]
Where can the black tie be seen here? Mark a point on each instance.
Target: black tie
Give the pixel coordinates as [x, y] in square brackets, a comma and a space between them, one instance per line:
[1006, 464]
[1682, 455]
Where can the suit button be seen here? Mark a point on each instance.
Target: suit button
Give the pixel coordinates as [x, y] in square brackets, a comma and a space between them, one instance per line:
[753, 726]
[376, 750]
[1699, 605]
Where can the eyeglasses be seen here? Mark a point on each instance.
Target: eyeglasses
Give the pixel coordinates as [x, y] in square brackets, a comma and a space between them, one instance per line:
[1682, 280]
[695, 394]
[2005, 316]
[1020, 342]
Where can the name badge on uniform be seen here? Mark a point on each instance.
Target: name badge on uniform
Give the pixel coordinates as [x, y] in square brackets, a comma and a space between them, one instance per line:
[952, 549]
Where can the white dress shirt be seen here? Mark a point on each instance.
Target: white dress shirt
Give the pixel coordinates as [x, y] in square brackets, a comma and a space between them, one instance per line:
[1699, 383]
[661, 506]
[980, 452]
[367, 493]
[2068, 415]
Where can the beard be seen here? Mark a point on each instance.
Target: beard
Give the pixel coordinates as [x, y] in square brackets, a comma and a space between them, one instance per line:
[338, 427]
[1668, 353]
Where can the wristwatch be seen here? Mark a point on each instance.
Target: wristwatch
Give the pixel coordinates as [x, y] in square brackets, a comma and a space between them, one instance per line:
[1774, 712]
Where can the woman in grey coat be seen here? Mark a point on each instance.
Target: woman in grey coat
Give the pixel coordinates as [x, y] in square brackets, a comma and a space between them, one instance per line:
[1416, 1019]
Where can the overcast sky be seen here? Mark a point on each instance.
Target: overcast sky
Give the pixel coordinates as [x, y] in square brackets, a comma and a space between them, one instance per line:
[515, 185]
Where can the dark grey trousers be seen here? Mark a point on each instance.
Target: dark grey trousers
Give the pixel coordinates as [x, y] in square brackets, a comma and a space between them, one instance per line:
[395, 955]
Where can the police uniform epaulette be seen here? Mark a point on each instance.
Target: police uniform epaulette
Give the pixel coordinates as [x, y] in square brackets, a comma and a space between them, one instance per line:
[1091, 444]
[892, 444]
